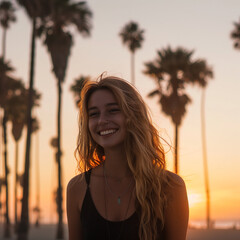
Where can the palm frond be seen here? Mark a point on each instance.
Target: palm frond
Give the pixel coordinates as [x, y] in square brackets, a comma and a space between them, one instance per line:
[132, 36]
[235, 35]
[173, 70]
[7, 13]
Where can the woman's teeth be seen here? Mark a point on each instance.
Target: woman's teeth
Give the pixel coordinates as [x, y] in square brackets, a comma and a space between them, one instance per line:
[105, 132]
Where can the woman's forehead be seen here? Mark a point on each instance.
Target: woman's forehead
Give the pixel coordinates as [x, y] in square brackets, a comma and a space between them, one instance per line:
[102, 97]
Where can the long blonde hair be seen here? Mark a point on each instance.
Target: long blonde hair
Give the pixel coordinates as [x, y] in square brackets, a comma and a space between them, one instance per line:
[145, 155]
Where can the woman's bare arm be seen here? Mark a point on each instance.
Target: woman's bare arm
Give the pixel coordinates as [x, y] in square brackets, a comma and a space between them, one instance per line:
[177, 211]
[75, 194]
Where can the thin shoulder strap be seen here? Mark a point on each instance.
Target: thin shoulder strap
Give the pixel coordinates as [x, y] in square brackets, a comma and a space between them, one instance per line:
[87, 176]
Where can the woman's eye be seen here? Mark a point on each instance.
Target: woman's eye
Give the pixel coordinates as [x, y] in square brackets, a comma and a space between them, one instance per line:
[93, 114]
[114, 110]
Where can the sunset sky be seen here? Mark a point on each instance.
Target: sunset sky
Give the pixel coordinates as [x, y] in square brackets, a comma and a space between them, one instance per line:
[200, 25]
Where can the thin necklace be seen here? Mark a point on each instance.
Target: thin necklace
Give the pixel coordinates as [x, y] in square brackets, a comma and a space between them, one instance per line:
[110, 190]
[122, 222]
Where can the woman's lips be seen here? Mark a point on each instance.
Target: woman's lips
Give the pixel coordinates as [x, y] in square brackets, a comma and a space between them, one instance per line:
[107, 132]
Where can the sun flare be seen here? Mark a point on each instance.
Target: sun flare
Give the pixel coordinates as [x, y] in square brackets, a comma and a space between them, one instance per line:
[194, 198]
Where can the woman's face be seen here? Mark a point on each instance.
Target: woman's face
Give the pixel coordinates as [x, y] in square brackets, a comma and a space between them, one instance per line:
[107, 123]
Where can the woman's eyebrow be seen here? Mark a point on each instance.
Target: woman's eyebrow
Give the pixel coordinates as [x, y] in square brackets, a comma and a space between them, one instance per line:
[112, 104]
[108, 105]
[92, 108]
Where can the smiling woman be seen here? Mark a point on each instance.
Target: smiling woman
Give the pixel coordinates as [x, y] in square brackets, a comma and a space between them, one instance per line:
[124, 191]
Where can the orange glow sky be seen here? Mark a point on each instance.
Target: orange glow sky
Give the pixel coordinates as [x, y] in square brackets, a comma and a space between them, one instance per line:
[204, 26]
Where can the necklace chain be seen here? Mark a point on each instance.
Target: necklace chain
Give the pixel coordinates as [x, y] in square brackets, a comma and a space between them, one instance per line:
[112, 192]
[123, 221]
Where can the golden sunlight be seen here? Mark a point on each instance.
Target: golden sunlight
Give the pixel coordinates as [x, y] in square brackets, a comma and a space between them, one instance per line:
[194, 198]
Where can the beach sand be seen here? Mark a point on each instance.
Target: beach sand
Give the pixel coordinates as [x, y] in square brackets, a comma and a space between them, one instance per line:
[48, 232]
[213, 234]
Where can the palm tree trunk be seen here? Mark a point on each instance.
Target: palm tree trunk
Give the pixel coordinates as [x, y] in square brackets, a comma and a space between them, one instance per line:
[15, 187]
[1, 213]
[204, 148]
[7, 233]
[3, 58]
[37, 181]
[59, 153]
[4, 43]
[24, 224]
[176, 150]
[133, 68]
[2, 165]
[4, 132]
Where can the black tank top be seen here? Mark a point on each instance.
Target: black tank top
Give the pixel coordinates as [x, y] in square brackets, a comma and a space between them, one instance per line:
[94, 226]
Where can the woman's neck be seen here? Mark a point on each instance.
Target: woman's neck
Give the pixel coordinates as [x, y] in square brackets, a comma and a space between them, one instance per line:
[116, 163]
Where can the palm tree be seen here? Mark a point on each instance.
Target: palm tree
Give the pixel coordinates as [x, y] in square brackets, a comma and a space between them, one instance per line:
[235, 35]
[37, 209]
[59, 40]
[205, 165]
[132, 36]
[17, 128]
[10, 87]
[77, 86]
[36, 9]
[173, 71]
[7, 15]
[16, 110]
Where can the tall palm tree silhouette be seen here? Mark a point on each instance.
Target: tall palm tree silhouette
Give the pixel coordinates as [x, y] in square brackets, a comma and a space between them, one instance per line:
[10, 87]
[37, 208]
[172, 71]
[35, 9]
[205, 165]
[7, 15]
[58, 38]
[132, 36]
[16, 111]
[235, 35]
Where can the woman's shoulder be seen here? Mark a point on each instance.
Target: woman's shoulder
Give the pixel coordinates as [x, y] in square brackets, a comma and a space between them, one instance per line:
[77, 184]
[174, 185]
[176, 211]
[174, 179]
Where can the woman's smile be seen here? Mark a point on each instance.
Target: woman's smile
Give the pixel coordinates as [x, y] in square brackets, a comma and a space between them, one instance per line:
[107, 132]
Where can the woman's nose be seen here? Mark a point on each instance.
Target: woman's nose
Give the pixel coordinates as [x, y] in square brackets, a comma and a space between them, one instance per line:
[103, 119]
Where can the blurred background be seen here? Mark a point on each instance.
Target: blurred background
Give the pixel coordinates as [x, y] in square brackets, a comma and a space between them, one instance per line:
[93, 39]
